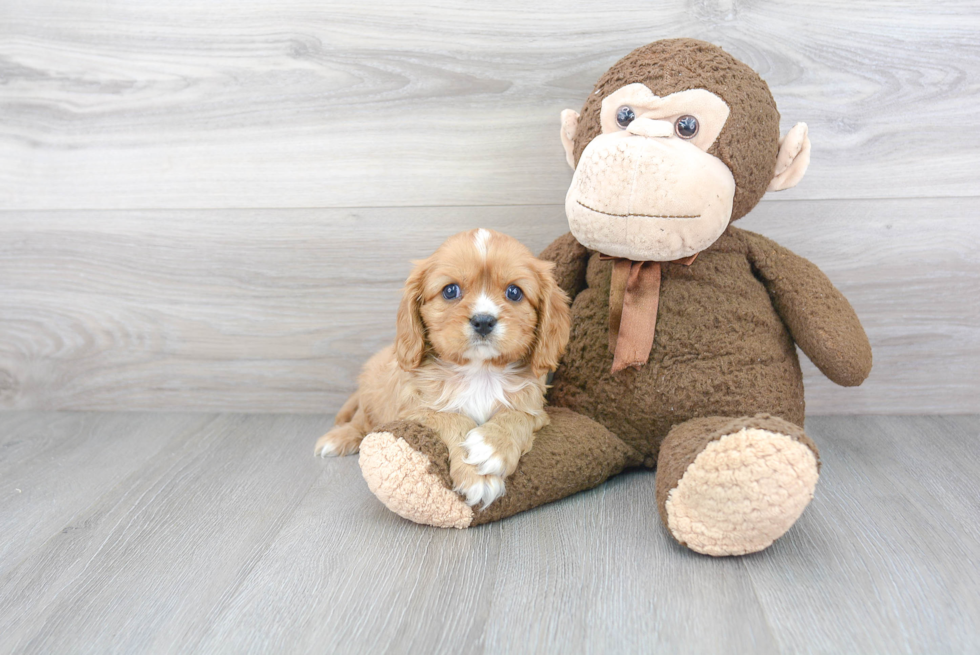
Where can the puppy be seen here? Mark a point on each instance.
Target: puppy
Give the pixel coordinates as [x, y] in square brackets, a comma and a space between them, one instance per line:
[480, 324]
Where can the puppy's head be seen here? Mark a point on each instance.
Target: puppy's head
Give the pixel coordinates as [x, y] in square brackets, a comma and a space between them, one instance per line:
[483, 297]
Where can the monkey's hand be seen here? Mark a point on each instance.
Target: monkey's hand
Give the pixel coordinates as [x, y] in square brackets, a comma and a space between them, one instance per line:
[818, 316]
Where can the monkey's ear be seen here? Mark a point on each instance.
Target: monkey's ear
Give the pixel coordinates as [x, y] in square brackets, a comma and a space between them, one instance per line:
[569, 126]
[793, 158]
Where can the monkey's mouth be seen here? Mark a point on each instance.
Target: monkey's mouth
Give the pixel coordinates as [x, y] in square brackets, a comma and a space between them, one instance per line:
[666, 216]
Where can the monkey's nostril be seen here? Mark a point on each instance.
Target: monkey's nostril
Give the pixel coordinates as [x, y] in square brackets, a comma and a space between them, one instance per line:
[483, 324]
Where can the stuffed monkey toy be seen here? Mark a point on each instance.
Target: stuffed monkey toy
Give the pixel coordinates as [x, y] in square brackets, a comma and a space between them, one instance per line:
[682, 354]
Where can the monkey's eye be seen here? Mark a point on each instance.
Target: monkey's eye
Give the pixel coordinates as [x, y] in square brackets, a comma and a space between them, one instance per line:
[686, 127]
[514, 293]
[624, 116]
[450, 292]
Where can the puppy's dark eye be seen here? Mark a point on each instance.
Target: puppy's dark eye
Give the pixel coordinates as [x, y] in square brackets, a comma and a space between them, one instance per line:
[625, 116]
[514, 293]
[686, 127]
[450, 292]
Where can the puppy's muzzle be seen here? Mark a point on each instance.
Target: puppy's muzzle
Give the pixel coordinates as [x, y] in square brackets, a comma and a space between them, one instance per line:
[483, 324]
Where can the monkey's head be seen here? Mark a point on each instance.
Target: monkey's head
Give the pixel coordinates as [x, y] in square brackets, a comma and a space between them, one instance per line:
[677, 140]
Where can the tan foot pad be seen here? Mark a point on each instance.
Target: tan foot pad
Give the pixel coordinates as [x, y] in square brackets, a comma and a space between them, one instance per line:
[742, 492]
[399, 476]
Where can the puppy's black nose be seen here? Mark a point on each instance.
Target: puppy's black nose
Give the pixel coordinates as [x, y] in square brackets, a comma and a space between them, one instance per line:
[483, 324]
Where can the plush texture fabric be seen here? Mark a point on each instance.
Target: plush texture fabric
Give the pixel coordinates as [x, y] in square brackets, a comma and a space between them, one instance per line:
[750, 141]
[720, 349]
[407, 480]
[741, 491]
[571, 454]
[793, 158]
[818, 316]
[648, 199]
[687, 440]
[567, 254]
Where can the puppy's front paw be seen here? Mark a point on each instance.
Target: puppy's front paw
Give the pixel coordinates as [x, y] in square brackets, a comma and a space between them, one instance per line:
[341, 440]
[480, 475]
[476, 487]
[482, 455]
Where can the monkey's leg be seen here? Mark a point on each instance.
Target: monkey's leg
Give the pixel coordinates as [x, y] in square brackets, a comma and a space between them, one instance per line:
[407, 467]
[731, 486]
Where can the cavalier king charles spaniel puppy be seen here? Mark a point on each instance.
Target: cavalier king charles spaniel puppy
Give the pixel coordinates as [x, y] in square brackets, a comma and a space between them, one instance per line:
[479, 327]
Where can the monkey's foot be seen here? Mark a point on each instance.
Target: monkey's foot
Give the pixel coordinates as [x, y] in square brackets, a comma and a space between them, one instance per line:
[406, 465]
[733, 486]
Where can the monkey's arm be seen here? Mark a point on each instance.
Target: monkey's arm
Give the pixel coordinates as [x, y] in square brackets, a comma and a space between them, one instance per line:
[571, 259]
[818, 316]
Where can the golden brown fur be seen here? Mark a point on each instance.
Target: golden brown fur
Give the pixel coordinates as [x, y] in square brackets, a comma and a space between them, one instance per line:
[483, 394]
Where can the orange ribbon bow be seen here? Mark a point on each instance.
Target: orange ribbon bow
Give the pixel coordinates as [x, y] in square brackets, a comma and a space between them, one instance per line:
[634, 297]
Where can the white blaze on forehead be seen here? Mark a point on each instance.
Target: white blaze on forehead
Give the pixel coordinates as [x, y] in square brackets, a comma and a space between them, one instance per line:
[485, 305]
[482, 240]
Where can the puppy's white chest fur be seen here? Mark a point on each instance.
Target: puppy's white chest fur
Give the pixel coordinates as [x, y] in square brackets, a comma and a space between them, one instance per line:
[479, 391]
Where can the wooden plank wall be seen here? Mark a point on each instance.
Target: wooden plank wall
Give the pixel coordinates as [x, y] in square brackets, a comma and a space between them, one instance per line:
[211, 206]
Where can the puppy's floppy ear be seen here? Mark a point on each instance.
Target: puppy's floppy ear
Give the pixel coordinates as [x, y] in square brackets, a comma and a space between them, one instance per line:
[554, 321]
[409, 330]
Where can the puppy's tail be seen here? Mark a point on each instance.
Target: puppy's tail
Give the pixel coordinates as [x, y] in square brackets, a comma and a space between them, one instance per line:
[347, 412]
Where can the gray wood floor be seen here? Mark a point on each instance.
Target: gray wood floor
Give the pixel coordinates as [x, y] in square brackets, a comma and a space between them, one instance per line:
[140, 532]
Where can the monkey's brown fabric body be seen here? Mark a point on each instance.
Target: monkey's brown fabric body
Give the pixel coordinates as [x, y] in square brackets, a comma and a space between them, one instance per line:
[720, 347]
[674, 65]
[572, 454]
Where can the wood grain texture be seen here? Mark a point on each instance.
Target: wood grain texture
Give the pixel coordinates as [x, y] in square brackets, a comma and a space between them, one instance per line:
[159, 551]
[276, 310]
[52, 468]
[880, 528]
[211, 206]
[114, 104]
[234, 538]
